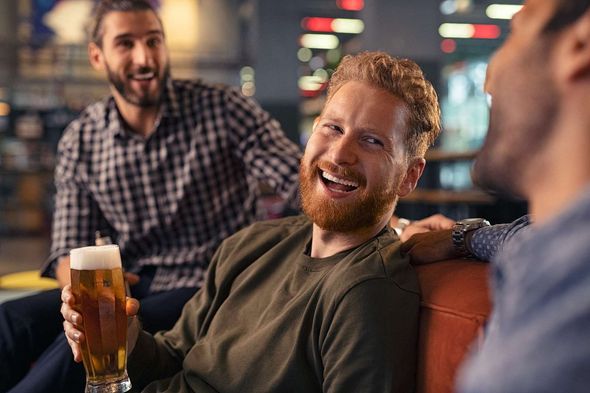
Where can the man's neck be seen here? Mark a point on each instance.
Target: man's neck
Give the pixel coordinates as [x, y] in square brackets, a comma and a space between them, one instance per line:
[140, 120]
[565, 170]
[327, 243]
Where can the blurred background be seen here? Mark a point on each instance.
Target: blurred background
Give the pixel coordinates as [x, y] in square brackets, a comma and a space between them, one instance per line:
[281, 52]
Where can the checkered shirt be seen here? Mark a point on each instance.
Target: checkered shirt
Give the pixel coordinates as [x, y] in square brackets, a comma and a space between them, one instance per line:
[170, 199]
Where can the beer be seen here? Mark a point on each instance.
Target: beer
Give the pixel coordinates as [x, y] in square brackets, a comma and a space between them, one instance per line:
[99, 288]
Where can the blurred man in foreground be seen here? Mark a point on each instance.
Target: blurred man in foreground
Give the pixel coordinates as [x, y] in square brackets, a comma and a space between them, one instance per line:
[316, 303]
[538, 148]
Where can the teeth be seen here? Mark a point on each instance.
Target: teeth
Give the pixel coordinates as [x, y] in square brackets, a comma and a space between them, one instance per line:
[326, 175]
[149, 75]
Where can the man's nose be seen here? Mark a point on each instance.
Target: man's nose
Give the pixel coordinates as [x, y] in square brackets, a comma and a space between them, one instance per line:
[141, 54]
[343, 151]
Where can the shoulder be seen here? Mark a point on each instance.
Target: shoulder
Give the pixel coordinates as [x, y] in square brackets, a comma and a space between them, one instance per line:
[201, 90]
[94, 116]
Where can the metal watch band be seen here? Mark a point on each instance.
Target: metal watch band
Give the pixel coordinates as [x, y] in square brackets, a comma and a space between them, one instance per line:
[458, 234]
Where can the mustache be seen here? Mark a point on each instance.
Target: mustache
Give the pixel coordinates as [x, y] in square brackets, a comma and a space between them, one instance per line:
[339, 171]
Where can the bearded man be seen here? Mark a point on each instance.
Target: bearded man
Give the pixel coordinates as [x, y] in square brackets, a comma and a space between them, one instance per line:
[323, 302]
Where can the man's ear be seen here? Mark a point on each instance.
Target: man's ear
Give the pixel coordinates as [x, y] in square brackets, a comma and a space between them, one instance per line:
[413, 173]
[95, 56]
[575, 55]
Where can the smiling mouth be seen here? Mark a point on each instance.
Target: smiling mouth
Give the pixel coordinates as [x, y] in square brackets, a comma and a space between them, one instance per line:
[337, 184]
[144, 76]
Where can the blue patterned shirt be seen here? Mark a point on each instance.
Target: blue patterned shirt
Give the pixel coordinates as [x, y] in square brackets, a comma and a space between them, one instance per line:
[538, 337]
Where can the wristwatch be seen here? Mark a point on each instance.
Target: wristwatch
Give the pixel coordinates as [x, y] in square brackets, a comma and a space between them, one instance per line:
[460, 229]
[402, 223]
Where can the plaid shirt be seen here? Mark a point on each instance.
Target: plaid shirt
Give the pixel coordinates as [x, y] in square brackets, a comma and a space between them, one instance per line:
[170, 199]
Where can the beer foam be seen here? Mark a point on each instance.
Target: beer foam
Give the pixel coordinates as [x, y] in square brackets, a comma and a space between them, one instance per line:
[95, 257]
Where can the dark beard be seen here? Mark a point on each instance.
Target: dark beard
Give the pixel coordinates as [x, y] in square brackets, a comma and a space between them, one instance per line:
[335, 216]
[522, 118]
[144, 101]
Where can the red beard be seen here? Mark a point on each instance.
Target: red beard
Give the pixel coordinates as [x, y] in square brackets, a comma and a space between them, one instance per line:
[364, 211]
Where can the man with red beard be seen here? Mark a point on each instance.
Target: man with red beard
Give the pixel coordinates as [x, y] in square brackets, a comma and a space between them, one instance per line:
[167, 168]
[322, 302]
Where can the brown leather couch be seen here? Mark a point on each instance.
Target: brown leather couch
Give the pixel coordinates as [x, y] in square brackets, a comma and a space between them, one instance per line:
[455, 305]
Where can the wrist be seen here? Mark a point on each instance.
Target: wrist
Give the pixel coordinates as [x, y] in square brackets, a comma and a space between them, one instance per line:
[461, 235]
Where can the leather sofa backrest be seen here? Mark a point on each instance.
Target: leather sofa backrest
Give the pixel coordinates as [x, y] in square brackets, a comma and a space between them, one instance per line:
[455, 305]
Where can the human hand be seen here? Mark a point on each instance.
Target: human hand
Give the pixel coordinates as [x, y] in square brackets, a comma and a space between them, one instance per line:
[429, 247]
[131, 278]
[435, 222]
[74, 327]
[62, 271]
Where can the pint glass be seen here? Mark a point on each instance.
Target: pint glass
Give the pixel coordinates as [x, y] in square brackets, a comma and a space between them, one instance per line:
[99, 288]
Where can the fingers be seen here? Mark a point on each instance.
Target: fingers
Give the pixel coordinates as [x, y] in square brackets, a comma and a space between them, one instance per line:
[435, 222]
[72, 322]
[411, 230]
[131, 278]
[131, 307]
[75, 339]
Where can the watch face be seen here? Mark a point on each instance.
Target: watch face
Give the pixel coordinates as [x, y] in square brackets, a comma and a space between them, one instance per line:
[473, 223]
[469, 221]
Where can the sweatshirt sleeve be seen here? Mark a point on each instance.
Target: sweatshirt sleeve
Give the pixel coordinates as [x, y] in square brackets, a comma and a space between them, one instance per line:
[161, 355]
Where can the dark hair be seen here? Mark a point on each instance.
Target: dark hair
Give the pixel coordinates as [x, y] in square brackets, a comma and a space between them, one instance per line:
[103, 7]
[568, 11]
[402, 78]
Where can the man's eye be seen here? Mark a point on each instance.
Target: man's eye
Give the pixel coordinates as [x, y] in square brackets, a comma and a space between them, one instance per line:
[373, 141]
[125, 44]
[153, 42]
[333, 127]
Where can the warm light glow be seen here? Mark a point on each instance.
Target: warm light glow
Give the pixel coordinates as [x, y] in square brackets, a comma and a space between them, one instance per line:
[68, 19]
[467, 30]
[333, 25]
[456, 30]
[317, 24]
[4, 109]
[248, 89]
[247, 74]
[502, 11]
[351, 5]
[486, 32]
[304, 55]
[351, 26]
[310, 83]
[448, 45]
[319, 41]
[180, 18]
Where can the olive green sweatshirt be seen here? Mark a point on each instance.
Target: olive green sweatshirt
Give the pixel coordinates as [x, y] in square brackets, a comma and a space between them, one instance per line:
[272, 319]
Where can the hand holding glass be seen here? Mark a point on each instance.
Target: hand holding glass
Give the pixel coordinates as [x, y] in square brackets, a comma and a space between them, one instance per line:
[99, 289]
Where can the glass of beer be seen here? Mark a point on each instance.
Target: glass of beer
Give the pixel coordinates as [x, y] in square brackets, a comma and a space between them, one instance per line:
[99, 288]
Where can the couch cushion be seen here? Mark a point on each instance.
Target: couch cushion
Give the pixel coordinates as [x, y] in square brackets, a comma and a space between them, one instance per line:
[455, 305]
